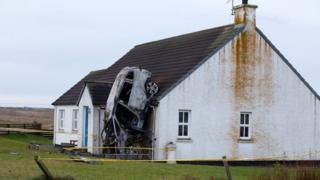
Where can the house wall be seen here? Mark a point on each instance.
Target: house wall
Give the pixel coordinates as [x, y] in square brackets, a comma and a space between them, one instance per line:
[98, 124]
[66, 134]
[95, 124]
[86, 101]
[242, 77]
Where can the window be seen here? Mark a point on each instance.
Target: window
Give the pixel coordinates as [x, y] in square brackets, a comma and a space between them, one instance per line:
[75, 113]
[61, 119]
[245, 119]
[184, 120]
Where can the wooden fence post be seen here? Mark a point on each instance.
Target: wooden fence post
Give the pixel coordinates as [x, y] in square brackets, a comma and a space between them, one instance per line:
[226, 165]
[43, 168]
[8, 126]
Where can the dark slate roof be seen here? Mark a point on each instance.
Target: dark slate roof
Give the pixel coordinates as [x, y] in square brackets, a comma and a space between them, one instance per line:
[99, 92]
[169, 60]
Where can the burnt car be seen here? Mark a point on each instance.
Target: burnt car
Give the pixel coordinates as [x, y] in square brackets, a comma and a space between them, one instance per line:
[127, 108]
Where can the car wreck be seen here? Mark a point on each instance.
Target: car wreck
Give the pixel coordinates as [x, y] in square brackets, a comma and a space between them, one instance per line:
[128, 109]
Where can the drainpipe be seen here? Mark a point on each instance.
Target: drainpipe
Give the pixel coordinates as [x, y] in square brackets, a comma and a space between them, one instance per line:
[153, 131]
[99, 128]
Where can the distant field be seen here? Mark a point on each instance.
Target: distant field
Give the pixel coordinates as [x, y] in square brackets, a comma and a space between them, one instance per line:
[27, 115]
[16, 162]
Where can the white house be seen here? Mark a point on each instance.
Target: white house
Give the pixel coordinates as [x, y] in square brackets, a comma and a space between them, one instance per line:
[223, 91]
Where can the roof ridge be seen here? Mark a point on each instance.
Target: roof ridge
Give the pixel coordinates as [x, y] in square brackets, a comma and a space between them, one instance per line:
[187, 34]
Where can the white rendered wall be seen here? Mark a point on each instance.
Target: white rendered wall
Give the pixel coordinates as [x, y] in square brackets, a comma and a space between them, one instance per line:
[98, 127]
[66, 134]
[95, 124]
[285, 113]
[86, 101]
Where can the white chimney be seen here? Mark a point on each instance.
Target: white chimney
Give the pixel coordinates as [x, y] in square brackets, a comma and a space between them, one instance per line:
[246, 14]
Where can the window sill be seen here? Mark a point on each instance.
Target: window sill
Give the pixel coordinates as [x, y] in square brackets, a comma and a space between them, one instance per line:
[184, 139]
[74, 131]
[246, 141]
[61, 130]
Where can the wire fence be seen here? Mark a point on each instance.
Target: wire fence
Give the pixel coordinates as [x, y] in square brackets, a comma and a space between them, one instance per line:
[33, 128]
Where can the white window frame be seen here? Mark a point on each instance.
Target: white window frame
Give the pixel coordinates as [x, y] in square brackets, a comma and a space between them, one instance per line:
[61, 118]
[245, 123]
[184, 123]
[75, 119]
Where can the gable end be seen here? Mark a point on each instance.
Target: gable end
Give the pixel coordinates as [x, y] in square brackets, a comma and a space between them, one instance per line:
[288, 63]
[239, 28]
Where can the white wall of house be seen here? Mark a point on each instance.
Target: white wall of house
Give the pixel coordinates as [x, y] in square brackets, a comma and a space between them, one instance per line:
[98, 127]
[86, 101]
[95, 124]
[65, 134]
[285, 119]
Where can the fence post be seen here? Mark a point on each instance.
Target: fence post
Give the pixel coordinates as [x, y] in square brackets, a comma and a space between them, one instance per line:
[226, 165]
[8, 126]
[43, 168]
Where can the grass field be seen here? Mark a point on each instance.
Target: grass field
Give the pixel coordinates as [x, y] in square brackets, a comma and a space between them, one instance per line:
[17, 162]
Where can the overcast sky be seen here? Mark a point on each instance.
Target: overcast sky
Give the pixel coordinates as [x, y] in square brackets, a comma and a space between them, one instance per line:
[46, 46]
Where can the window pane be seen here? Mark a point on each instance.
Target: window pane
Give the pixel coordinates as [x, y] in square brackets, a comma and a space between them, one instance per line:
[247, 118]
[246, 131]
[186, 117]
[75, 124]
[241, 131]
[180, 117]
[61, 114]
[185, 132]
[180, 130]
[75, 112]
[242, 119]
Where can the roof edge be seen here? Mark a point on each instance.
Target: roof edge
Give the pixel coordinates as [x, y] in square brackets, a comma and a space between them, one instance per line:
[240, 28]
[81, 94]
[181, 35]
[75, 104]
[287, 62]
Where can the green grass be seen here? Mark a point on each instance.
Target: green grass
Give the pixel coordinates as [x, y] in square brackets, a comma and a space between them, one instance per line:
[17, 162]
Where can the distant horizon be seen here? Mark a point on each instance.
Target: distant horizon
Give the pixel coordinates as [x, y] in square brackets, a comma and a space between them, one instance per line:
[31, 107]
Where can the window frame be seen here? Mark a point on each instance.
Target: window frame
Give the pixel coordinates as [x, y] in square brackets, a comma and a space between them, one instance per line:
[245, 125]
[75, 121]
[183, 124]
[61, 118]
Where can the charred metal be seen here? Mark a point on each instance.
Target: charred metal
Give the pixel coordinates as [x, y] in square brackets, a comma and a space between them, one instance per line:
[127, 114]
